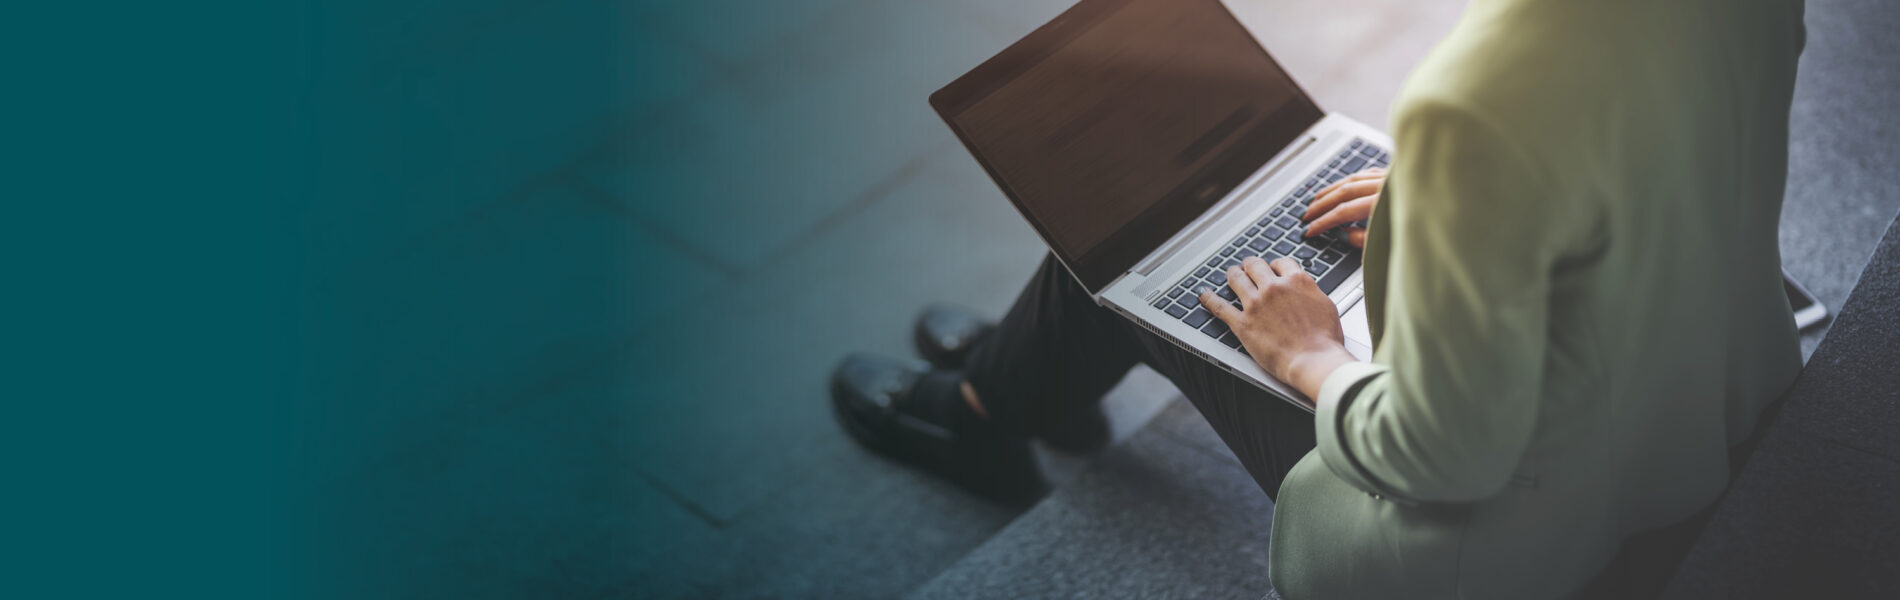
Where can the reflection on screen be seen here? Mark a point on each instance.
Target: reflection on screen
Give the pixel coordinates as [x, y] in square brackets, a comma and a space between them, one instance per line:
[1162, 102]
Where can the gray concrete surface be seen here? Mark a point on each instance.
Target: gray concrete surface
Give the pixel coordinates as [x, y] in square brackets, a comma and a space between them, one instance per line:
[1841, 181]
[1168, 514]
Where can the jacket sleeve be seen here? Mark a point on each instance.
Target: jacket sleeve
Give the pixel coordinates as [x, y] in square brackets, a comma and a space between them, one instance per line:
[1447, 407]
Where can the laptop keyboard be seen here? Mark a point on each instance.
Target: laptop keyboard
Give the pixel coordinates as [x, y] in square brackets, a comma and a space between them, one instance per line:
[1328, 257]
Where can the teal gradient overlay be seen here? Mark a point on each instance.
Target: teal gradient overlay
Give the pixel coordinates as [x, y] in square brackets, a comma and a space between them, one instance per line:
[158, 164]
[479, 299]
[463, 287]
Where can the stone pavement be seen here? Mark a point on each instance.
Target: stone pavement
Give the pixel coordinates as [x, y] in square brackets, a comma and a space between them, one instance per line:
[773, 192]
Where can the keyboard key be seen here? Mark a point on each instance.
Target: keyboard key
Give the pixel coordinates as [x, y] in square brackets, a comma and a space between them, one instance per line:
[1287, 222]
[1229, 251]
[1289, 201]
[1262, 222]
[1334, 163]
[1274, 233]
[1228, 294]
[1356, 143]
[1176, 292]
[1338, 273]
[1237, 242]
[1369, 152]
[1284, 248]
[1215, 328]
[1230, 340]
[1218, 278]
[1258, 245]
[1188, 301]
[1244, 253]
[1197, 318]
[1177, 311]
[1211, 263]
[1203, 271]
[1269, 219]
[1163, 302]
[1303, 252]
[1316, 269]
[1352, 166]
[1331, 256]
[1253, 230]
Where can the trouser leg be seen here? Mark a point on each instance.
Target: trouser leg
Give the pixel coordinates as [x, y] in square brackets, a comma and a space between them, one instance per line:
[1265, 432]
[1057, 353]
[1053, 355]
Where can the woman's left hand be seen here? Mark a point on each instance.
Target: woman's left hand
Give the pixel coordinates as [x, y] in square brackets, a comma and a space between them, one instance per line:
[1347, 201]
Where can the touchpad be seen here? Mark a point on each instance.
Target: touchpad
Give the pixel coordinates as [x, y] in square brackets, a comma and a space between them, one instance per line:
[1358, 334]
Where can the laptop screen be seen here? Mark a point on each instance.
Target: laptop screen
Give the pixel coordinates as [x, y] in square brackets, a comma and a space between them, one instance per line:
[1121, 121]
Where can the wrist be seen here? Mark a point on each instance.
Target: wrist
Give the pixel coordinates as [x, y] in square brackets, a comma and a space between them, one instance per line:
[1307, 371]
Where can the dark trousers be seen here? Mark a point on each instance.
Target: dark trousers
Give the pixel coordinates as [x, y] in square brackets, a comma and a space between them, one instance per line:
[1056, 353]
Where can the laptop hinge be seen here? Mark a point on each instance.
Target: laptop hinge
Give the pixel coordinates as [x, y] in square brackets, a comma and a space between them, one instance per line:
[1218, 215]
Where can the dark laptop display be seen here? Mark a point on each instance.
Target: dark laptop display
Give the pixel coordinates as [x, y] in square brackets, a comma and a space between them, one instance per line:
[1118, 123]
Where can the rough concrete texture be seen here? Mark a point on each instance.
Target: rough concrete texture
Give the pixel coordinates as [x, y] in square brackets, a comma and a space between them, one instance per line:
[1156, 517]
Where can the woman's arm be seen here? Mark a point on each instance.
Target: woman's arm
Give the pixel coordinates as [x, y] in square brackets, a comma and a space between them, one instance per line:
[1446, 409]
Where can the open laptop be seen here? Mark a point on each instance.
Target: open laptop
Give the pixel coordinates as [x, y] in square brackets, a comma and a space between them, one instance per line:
[1152, 143]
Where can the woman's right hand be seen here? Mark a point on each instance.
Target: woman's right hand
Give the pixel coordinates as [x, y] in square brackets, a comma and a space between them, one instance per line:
[1349, 200]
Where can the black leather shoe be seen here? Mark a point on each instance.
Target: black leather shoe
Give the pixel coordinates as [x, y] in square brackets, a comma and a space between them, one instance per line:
[944, 334]
[877, 400]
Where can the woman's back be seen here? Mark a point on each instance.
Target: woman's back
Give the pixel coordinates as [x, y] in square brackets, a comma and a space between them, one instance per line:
[1574, 281]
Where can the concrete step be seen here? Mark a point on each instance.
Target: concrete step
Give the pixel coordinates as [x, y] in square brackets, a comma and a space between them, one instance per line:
[1168, 513]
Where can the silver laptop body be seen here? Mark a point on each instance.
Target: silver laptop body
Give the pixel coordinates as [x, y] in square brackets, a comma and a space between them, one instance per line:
[1134, 293]
[1152, 143]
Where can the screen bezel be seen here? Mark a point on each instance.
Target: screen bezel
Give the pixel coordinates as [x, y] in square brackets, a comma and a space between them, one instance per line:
[1126, 248]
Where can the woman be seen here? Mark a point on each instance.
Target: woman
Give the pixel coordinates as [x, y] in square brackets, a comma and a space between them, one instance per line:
[1573, 280]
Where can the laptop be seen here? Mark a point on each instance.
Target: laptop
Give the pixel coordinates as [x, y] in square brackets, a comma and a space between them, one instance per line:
[1154, 143]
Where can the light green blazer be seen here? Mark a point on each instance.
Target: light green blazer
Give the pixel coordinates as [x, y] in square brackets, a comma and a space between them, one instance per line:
[1574, 288]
